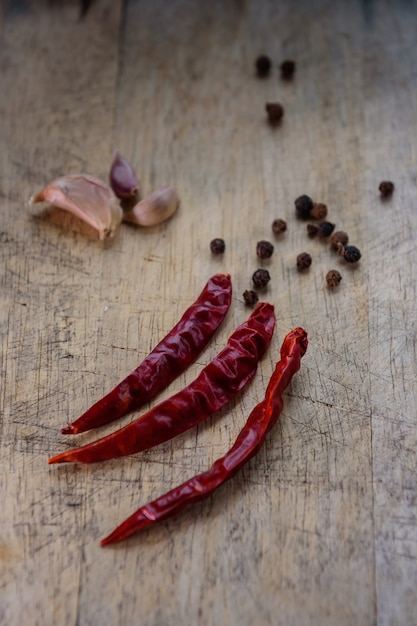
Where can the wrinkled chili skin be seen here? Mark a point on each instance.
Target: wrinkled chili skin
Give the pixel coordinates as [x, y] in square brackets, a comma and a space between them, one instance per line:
[250, 439]
[167, 360]
[216, 384]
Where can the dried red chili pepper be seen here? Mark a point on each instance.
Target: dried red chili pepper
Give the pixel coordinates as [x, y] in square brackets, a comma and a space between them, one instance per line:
[167, 360]
[216, 384]
[249, 441]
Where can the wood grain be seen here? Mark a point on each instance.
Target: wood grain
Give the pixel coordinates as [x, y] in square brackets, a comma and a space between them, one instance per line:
[321, 526]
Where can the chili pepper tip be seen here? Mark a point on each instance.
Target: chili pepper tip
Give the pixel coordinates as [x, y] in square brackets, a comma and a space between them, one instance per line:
[108, 540]
[69, 430]
[119, 534]
[136, 522]
[63, 457]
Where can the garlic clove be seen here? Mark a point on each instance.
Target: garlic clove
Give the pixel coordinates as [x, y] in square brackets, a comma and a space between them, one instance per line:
[123, 178]
[155, 208]
[88, 198]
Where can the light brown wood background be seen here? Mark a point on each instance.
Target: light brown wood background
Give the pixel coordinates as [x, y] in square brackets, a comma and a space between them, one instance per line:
[320, 528]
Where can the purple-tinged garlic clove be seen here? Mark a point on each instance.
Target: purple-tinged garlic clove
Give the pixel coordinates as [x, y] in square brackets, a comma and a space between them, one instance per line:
[88, 198]
[155, 208]
[123, 178]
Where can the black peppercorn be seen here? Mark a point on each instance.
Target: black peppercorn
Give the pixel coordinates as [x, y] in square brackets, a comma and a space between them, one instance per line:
[325, 229]
[319, 211]
[264, 249]
[279, 226]
[312, 230]
[263, 65]
[339, 237]
[217, 246]
[275, 112]
[287, 69]
[386, 188]
[333, 278]
[303, 206]
[261, 278]
[303, 261]
[352, 254]
[250, 297]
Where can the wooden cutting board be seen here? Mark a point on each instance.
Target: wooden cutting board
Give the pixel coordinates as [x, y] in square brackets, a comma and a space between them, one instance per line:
[320, 528]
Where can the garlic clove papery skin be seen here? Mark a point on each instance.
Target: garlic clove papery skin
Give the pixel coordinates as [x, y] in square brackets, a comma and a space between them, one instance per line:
[123, 179]
[86, 197]
[155, 208]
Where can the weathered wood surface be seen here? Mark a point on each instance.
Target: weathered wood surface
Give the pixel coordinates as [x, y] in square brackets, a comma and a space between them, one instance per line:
[320, 528]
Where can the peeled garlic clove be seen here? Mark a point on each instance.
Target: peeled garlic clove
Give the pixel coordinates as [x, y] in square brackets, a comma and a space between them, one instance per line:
[88, 198]
[123, 178]
[155, 208]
